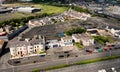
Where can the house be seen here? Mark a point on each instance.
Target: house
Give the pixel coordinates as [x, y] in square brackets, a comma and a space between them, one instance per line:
[92, 32]
[2, 42]
[53, 43]
[85, 39]
[103, 32]
[64, 42]
[46, 20]
[67, 41]
[26, 47]
[76, 15]
[114, 31]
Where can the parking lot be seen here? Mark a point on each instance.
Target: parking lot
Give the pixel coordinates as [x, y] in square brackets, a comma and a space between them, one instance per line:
[63, 52]
[50, 31]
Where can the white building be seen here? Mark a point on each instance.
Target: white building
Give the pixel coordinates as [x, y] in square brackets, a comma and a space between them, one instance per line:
[86, 39]
[66, 41]
[53, 43]
[114, 31]
[77, 15]
[28, 9]
[46, 20]
[26, 47]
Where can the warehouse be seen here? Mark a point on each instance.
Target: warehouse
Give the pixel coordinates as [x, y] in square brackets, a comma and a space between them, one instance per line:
[5, 11]
[28, 9]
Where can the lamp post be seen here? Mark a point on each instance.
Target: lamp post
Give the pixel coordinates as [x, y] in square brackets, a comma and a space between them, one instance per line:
[13, 67]
[110, 53]
[66, 59]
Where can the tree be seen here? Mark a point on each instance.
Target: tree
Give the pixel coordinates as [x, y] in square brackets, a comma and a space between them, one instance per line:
[75, 31]
[22, 23]
[102, 39]
[12, 23]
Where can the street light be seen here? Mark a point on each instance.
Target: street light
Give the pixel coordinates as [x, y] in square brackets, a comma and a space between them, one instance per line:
[65, 56]
[13, 66]
[110, 53]
[66, 59]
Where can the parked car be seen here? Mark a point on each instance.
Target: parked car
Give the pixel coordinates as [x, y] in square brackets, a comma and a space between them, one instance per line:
[89, 51]
[109, 46]
[113, 69]
[105, 49]
[97, 47]
[61, 56]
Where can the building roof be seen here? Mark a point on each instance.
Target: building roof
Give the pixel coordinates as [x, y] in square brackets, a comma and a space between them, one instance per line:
[66, 38]
[82, 36]
[25, 42]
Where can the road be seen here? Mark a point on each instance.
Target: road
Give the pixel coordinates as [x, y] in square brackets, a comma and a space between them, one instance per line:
[93, 67]
[42, 65]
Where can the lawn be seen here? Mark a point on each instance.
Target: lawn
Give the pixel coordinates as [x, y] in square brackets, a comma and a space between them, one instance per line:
[45, 9]
[79, 45]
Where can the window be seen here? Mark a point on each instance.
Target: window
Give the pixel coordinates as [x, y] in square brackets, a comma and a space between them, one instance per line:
[37, 46]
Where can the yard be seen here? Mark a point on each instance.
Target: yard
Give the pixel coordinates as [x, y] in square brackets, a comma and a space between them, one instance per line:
[45, 9]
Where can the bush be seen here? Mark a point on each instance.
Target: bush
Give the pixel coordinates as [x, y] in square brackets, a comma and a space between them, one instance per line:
[36, 70]
[23, 20]
[79, 45]
[80, 9]
[75, 31]
[102, 39]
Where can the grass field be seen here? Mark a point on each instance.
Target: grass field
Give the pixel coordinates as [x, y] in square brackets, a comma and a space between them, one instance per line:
[45, 9]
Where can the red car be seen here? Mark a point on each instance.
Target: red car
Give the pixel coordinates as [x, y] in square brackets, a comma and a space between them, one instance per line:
[90, 51]
[105, 49]
[109, 45]
[3, 33]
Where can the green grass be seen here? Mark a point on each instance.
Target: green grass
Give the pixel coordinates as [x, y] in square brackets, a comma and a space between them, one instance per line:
[49, 9]
[79, 45]
[36, 70]
[42, 52]
[57, 67]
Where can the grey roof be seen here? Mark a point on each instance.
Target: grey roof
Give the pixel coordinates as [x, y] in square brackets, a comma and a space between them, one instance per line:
[22, 42]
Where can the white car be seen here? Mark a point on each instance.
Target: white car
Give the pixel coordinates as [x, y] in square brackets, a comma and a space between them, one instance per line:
[113, 69]
[103, 70]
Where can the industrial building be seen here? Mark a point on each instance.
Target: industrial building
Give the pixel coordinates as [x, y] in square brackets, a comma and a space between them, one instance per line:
[28, 9]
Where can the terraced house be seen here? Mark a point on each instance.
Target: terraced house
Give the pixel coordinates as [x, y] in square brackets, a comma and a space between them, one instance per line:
[26, 47]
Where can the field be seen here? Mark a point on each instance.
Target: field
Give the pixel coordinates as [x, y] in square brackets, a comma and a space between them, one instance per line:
[45, 9]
